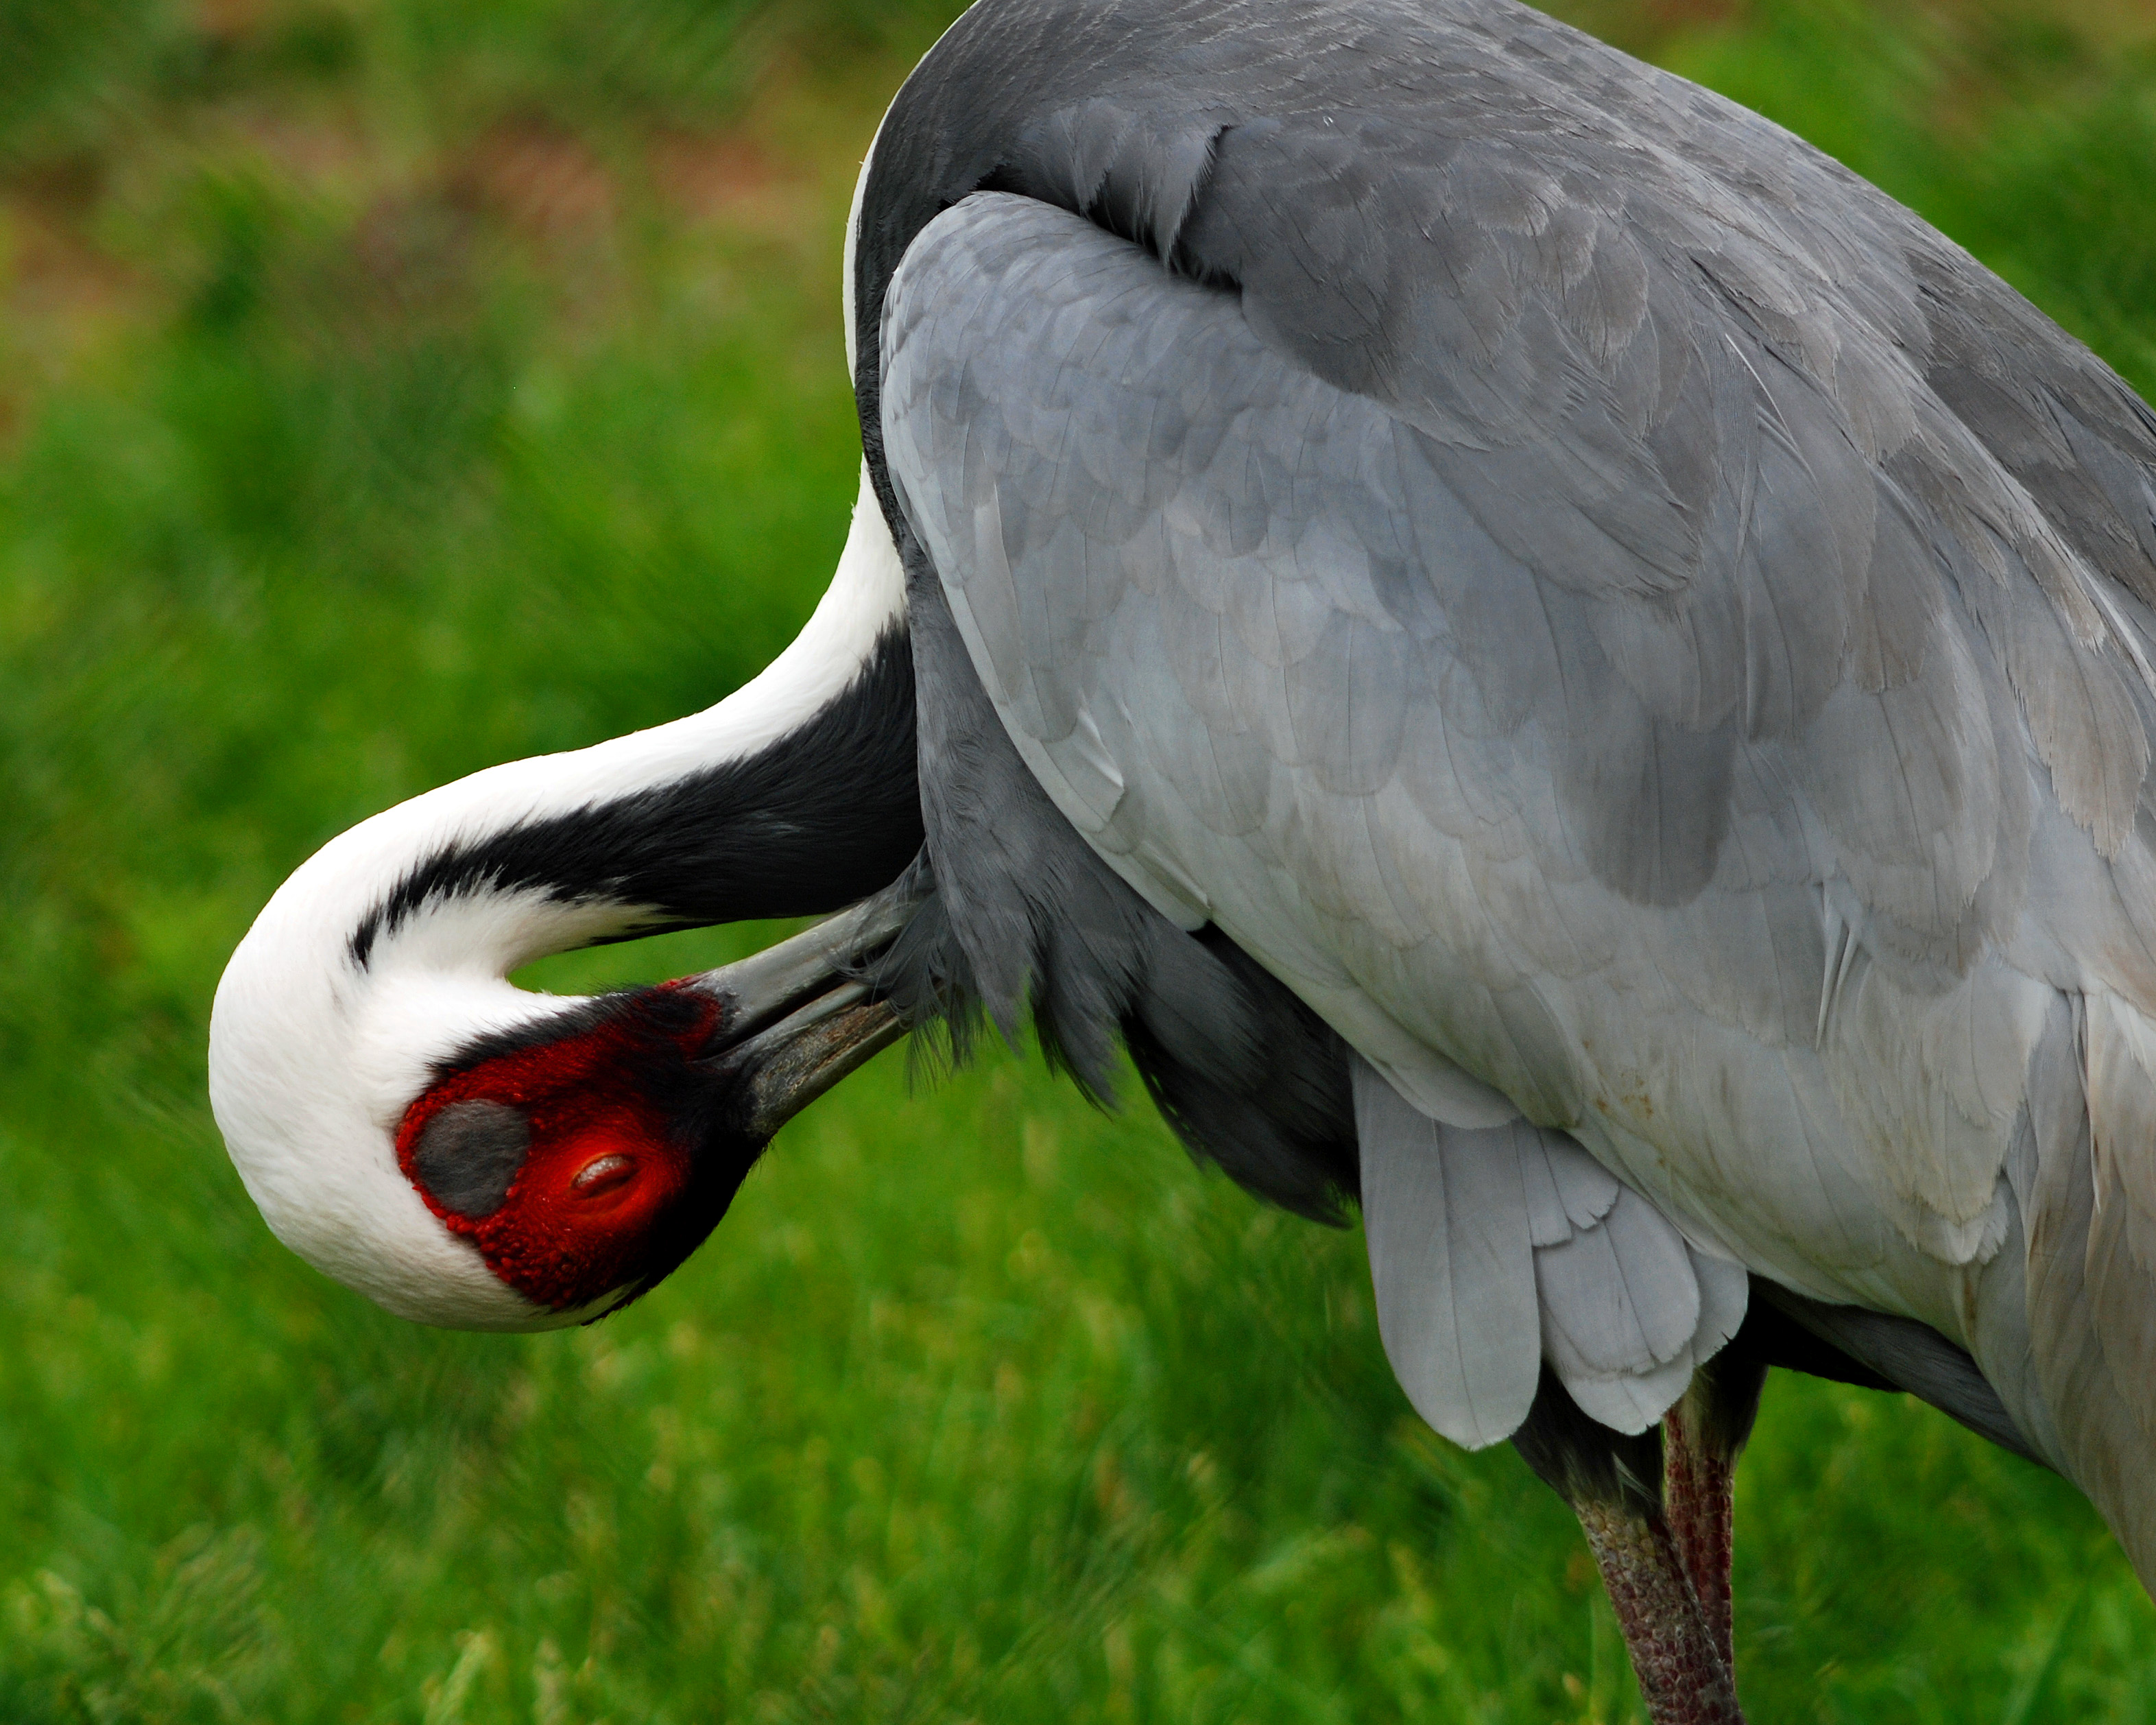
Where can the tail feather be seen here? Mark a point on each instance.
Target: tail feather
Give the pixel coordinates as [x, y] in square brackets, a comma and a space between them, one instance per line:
[1495, 1249]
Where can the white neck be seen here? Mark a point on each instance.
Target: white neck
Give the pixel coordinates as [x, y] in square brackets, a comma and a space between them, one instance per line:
[315, 1056]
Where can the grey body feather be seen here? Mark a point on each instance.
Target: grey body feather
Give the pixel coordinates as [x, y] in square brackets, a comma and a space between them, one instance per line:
[1647, 642]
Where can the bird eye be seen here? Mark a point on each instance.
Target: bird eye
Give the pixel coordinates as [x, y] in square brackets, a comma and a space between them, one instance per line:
[603, 1173]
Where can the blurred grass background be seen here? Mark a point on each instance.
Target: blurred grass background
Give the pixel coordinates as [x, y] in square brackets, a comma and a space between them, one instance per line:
[388, 387]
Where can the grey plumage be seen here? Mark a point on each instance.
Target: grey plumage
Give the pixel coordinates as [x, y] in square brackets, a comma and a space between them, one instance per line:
[1452, 1259]
[1494, 1250]
[1640, 635]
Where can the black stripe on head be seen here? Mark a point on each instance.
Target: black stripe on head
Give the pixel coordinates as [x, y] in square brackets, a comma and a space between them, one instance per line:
[825, 815]
[575, 1019]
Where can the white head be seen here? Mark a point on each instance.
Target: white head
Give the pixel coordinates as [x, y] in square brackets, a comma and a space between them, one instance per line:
[461, 1152]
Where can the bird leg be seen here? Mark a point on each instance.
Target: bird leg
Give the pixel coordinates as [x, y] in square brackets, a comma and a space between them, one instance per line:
[1702, 1436]
[1680, 1671]
[1613, 1484]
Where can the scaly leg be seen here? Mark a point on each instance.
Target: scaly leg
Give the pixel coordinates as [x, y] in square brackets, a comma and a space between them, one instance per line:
[1614, 1485]
[1702, 1436]
[1681, 1672]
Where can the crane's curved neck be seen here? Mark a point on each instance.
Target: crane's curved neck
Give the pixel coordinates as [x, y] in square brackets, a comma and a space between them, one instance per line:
[382, 962]
[794, 795]
[384, 955]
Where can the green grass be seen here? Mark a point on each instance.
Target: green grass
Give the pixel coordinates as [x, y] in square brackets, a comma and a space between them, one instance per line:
[388, 389]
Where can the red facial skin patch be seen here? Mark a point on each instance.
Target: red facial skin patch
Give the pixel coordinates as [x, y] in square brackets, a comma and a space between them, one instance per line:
[619, 1113]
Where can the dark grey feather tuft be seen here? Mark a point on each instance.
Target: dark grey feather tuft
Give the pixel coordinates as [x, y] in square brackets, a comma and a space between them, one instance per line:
[1026, 919]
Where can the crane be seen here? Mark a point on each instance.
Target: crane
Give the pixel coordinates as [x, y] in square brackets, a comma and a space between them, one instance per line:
[1550, 664]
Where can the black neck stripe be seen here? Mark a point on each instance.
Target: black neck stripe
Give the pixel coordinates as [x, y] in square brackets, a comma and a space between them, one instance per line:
[824, 815]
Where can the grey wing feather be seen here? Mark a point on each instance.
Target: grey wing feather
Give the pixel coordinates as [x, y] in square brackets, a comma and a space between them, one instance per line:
[1352, 657]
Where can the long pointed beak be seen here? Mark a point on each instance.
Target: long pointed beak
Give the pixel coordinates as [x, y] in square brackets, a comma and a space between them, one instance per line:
[798, 1019]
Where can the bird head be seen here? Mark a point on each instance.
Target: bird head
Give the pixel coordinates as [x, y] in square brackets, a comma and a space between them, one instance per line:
[472, 1155]
[586, 1159]
[583, 1158]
